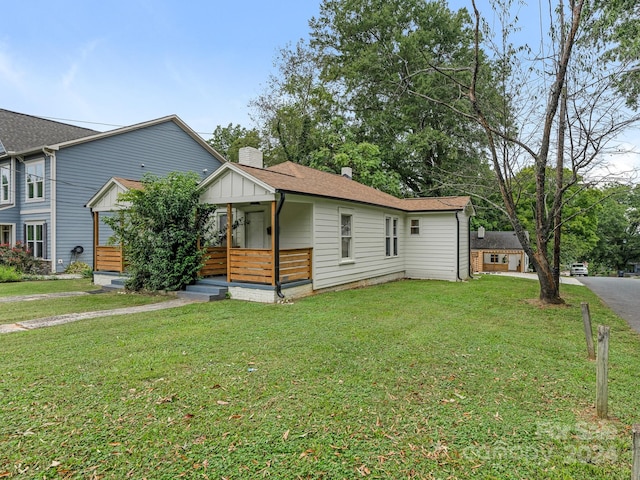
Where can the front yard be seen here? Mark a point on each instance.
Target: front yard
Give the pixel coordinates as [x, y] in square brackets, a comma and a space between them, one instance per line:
[413, 379]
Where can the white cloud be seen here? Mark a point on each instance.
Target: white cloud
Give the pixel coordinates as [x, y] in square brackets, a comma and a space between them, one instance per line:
[10, 73]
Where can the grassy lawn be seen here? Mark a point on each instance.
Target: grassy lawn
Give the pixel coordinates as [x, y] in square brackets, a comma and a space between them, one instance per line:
[46, 286]
[430, 380]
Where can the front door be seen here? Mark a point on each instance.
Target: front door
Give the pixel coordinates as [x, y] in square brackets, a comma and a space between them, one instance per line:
[255, 230]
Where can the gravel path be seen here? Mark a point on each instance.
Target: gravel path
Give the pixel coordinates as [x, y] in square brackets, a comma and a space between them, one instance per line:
[74, 317]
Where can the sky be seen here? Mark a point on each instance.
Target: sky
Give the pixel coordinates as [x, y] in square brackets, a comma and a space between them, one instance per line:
[121, 62]
[114, 63]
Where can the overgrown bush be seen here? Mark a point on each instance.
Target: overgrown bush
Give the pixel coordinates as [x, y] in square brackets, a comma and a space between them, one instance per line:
[79, 267]
[9, 274]
[160, 232]
[22, 260]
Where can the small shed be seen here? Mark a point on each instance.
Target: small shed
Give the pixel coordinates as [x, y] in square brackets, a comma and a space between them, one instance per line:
[497, 252]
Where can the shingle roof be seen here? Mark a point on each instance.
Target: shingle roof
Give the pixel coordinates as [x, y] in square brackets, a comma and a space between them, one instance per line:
[20, 132]
[292, 177]
[130, 184]
[495, 241]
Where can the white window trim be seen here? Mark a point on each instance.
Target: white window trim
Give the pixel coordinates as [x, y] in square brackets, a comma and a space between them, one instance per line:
[43, 240]
[12, 240]
[391, 236]
[9, 200]
[351, 258]
[26, 183]
[411, 227]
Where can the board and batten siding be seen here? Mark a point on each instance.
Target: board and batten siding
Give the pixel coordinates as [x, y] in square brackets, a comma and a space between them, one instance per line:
[368, 237]
[432, 253]
[84, 168]
[233, 187]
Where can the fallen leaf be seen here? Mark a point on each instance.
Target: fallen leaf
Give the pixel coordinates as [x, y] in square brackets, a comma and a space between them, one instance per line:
[235, 417]
[222, 402]
[285, 435]
[363, 470]
[55, 463]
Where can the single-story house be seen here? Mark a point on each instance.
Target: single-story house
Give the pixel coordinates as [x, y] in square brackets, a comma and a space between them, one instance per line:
[301, 230]
[497, 252]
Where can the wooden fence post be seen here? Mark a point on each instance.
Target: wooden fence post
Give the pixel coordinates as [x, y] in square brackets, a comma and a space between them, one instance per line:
[635, 468]
[602, 389]
[588, 332]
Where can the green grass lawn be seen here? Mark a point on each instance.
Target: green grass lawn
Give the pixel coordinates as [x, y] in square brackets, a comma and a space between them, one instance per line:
[46, 286]
[429, 380]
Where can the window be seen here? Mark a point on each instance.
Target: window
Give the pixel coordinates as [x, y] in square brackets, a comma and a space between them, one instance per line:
[34, 175]
[494, 258]
[5, 184]
[346, 236]
[35, 236]
[391, 237]
[415, 226]
[6, 234]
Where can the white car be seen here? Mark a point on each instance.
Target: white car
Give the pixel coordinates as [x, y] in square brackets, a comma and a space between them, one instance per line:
[578, 269]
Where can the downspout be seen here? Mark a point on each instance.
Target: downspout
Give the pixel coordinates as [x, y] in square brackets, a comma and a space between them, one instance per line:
[276, 245]
[53, 237]
[458, 248]
[469, 246]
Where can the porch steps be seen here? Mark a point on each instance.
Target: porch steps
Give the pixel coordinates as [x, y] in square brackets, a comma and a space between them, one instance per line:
[203, 291]
[116, 284]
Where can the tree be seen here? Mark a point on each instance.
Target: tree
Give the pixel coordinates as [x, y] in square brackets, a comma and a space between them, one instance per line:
[566, 90]
[161, 230]
[230, 139]
[379, 54]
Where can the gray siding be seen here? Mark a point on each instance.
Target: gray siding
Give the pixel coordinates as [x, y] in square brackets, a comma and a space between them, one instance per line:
[83, 169]
[295, 224]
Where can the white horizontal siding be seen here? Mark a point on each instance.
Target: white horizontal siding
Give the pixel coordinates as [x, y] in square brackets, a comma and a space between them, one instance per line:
[369, 259]
[432, 253]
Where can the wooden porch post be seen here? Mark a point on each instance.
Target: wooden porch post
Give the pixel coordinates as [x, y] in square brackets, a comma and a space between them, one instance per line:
[96, 238]
[229, 239]
[273, 243]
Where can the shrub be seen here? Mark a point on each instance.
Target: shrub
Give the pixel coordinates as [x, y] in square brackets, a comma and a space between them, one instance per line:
[9, 274]
[79, 267]
[22, 260]
[160, 232]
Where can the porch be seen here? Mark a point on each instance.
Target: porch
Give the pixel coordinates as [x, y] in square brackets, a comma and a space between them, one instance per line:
[240, 265]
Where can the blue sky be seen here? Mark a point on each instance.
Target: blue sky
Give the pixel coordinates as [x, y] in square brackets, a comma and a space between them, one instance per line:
[120, 62]
[123, 62]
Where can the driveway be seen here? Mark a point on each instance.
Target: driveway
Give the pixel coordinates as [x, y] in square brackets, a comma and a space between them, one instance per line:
[622, 295]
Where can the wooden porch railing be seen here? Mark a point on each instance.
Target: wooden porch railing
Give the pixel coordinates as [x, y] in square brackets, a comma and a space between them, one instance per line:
[109, 259]
[255, 265]
[216, 264]
[247, 265]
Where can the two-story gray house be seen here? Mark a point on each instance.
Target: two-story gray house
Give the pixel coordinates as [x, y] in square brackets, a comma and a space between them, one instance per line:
[49, 170]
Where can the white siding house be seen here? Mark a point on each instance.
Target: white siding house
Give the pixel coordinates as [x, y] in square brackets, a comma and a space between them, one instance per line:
[347, 234]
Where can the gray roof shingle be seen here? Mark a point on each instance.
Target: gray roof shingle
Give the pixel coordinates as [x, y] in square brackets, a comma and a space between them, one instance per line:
[495, 241]
[20, 132]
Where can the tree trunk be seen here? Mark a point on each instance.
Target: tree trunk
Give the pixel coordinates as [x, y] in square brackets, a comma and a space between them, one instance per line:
[549, 291]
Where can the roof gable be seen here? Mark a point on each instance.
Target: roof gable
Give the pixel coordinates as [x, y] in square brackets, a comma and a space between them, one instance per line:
[106, 199]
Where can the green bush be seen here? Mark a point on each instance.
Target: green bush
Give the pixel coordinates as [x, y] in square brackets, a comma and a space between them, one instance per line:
[79, 267]
[9, 274]
[22, 260]
[160, 232]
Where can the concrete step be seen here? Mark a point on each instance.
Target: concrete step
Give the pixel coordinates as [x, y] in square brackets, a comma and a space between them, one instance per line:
[203, 293]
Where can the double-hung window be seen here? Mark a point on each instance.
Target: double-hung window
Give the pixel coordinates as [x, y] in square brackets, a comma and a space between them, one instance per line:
[415, 226]
[391, 236]
[36, 234]
[6, 234]
[346, 236]
[34, 176]
[5, 184]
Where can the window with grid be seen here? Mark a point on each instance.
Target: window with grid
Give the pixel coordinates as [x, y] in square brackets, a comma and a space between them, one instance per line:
[346, 236]
[34, 175]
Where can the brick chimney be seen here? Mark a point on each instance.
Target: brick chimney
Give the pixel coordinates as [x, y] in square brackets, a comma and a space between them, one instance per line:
[251, 157]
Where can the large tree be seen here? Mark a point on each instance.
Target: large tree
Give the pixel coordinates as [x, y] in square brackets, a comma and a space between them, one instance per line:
[378, 52]
[564, 104]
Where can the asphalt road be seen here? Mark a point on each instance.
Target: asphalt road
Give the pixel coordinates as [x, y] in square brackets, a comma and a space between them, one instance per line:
[622, 295]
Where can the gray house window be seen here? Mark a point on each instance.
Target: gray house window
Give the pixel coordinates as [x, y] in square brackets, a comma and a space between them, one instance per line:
[346, 236]
[5, 184]
[34, 177]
